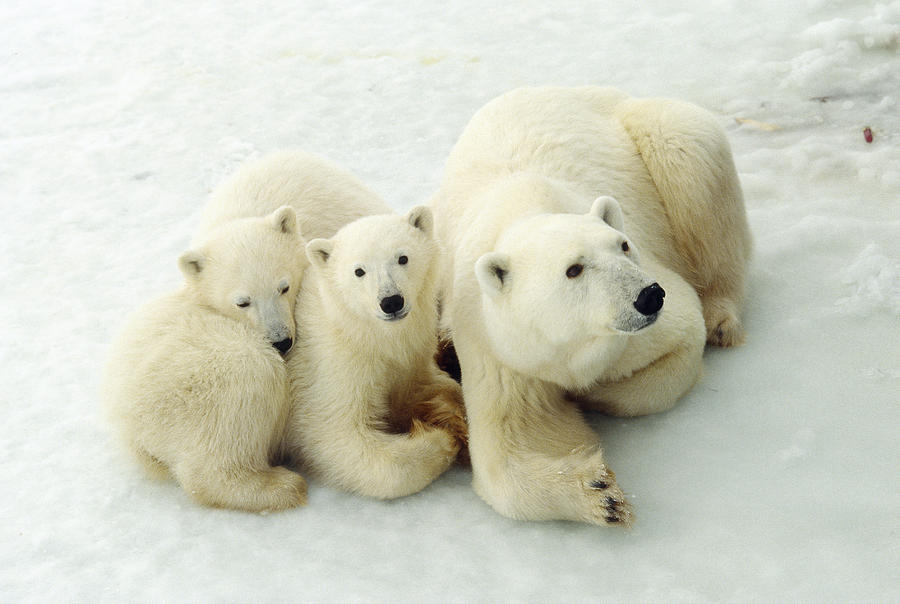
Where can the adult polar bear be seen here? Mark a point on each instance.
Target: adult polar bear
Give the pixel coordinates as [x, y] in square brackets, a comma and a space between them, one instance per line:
[544, 293]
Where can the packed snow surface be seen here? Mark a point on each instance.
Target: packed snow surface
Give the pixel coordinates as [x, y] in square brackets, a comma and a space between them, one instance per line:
[776, 479]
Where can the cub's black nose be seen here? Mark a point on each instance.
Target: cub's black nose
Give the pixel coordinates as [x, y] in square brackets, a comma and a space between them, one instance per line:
[392, 304]
[650, 300]
[284, 345]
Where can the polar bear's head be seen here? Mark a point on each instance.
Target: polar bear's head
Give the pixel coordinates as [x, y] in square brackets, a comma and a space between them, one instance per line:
[559, 291]
[249, 269]
[377, 266]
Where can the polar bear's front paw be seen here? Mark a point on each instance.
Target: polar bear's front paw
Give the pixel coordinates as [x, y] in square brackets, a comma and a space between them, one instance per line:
[606, 499]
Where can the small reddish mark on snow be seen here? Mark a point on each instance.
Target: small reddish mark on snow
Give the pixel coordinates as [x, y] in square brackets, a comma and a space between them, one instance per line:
[867, 134]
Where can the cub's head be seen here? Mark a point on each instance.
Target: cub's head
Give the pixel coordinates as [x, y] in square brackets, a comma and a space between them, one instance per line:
[377, 266]
[249, 269]
[559, 288]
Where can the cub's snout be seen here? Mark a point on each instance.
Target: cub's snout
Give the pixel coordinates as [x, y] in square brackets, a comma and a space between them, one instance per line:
[283, 346]
[392, 304]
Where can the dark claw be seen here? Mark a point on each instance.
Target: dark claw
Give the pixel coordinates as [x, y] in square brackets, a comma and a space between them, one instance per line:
[612, 519]
[599, 485]
[612, 503]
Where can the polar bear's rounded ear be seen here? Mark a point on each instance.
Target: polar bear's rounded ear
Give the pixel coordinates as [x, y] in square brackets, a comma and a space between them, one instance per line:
[420, 217]
[492, 272]
[284, 219]
[319, 251]
[192, 263]
[608, 210]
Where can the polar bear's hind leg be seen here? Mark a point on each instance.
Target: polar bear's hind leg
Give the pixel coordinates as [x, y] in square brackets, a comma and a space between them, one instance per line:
[689, 159]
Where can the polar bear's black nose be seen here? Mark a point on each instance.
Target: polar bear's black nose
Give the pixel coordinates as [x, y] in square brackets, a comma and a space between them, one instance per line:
[392, 304]
[650, 300]
[284, 345]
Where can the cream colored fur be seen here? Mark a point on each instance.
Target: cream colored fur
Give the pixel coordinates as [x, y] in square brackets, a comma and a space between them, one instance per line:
[360, 377]
[517, 206]
[195, 386]
[372, 413]
[325, 196]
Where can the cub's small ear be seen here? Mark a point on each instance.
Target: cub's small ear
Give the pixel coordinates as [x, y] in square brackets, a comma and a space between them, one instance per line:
[609, 211]
[284, 219]
[420, 217]
[192, 263]
[492, 272]
[319, 251]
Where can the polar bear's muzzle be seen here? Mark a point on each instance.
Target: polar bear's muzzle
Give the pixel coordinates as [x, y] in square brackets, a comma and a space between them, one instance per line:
[648, 303]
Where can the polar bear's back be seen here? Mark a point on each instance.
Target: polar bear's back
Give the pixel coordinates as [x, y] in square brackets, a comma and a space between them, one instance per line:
[325, 196]
[569, 135]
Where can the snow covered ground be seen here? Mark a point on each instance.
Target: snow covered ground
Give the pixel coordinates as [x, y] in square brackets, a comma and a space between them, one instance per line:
[775, 479]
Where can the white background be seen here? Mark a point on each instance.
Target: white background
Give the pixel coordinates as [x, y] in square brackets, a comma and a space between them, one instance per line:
[775, 479]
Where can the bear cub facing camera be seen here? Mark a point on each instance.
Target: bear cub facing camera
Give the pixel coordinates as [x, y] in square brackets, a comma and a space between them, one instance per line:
[371, 412]
[196, 385]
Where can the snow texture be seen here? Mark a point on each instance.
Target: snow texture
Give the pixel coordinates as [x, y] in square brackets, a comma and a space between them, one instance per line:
[775, 479]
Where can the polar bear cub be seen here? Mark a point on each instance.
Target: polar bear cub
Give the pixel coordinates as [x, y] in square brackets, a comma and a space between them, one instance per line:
[196, 385]
[324, 195]
[371, 412]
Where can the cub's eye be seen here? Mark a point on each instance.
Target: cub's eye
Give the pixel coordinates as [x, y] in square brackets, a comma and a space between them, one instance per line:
[574, 270]
[359, 272]
[625, 247]
[243, 303]
[402, 260]
[285, 289]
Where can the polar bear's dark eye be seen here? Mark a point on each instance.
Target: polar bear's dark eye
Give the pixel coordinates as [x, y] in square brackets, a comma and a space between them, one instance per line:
[243, 303]
[285, 289]
[359, 272]
[402, 260]
[574, 270]
[625, 247]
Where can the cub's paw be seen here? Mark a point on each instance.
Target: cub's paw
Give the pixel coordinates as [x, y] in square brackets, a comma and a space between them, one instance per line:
[437, 440]
[445, 410]
[285, 489]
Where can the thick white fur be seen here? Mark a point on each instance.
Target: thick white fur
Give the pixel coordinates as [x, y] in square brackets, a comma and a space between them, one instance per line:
[325, 196]
[519, 188]
[372, 413]
[194, 384]
[360, 384]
